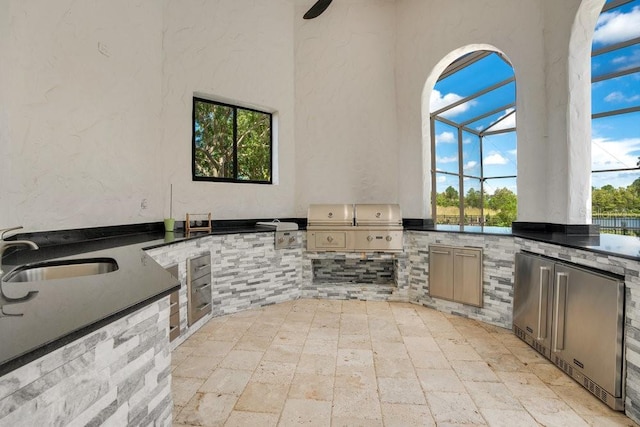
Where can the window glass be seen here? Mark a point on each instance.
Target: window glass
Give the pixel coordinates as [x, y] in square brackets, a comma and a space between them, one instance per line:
[615, 94]
[615, 145]
[446, 147]
[231, 143]
[482, 104]
[465, 146]
[471, 154]
[500, 155]
[472, 202]
[489, 71]
[448, 199]
[501, 202]
[616, 61]
[254, 145]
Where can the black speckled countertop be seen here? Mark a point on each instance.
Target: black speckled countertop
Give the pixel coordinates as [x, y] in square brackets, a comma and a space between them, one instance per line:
[63, 310]
[607, 244]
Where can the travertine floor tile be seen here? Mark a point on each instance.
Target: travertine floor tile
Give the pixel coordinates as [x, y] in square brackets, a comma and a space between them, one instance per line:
[183, 389]
[226, 381]
[401, 390]
[207, 409]
[306, 412]
[454, 408]
[197, 367]
[260, 397]
[440, 380]
[311, 386]
[401, 415]
[245, 419]
[355, 363]
[241, 359]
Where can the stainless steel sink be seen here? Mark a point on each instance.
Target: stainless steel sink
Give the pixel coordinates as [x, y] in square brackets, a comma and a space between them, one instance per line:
[61, 270]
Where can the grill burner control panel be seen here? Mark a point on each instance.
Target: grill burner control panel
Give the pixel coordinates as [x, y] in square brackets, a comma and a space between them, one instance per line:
[355, 228]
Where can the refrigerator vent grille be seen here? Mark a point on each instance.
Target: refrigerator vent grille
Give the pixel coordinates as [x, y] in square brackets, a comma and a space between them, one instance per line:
[564, 366]
[595, 389]
[519, 333]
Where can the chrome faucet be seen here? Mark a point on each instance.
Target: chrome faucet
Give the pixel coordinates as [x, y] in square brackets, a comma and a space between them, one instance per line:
[4, 245]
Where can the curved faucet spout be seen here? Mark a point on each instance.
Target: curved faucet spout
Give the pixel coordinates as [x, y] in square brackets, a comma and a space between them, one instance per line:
[6, 244]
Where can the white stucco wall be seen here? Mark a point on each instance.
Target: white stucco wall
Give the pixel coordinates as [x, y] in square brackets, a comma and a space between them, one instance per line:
[239, 51]
[346, 132]
[79, 112]
[95, 103]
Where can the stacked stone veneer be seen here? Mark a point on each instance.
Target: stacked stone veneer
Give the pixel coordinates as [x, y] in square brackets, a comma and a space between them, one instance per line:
[349, 275]
[497, 274]
[250, 272]
[117, 375]
[247, 271]
[631, 271]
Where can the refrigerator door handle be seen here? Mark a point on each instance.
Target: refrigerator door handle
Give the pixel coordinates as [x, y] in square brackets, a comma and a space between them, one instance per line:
[543, 302]
[562, 280]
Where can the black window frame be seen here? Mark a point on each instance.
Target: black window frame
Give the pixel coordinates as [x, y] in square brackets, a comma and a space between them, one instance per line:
[235, 179]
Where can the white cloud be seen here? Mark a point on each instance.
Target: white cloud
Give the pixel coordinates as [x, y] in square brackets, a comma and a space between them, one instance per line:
[495, 159]
[445, 138]
[439, 101]
[618, 96]
[613, 27]
[450, 159]
[612, 154]
[441, 179]
[470, 165]
[508, 123]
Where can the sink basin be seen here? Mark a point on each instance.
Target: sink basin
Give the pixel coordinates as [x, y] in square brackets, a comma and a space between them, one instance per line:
[61, 270]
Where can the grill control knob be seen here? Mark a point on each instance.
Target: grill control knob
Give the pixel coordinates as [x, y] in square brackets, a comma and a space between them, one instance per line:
[292, 239]
[329, 239]
[369, 238]
[280, 239]
[389, 238]
[330, 215]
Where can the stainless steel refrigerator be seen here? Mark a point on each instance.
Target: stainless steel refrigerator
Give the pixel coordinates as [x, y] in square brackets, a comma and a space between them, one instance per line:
[574, 317]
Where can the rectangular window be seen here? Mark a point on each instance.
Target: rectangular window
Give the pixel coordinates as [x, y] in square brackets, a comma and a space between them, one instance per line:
[231, 143]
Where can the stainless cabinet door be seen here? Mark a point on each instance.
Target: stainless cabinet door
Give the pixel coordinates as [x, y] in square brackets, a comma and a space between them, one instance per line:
[441, 272]
[532, 299]
[588, 325]
[467, 276]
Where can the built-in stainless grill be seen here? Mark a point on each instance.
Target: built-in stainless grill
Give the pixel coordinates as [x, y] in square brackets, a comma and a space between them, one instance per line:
[354, 228]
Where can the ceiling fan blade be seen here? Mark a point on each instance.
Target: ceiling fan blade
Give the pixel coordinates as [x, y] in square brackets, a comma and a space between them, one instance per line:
[317, 9]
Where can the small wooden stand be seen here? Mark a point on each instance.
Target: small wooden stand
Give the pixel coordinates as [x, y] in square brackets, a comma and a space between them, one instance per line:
[201, 217]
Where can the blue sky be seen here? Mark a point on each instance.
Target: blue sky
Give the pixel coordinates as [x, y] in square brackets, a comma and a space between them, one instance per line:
[615, 140]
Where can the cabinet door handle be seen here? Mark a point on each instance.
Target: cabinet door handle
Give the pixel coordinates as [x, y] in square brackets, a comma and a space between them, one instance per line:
[173, 328]
[543, 301]
[440, 252]
[468, 255]
[204, 306]
[559, 311]
[198, 289]
[173, 304]
[201, 267]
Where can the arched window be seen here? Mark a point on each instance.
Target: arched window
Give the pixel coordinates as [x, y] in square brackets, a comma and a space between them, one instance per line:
[473, 123]
[615, 100]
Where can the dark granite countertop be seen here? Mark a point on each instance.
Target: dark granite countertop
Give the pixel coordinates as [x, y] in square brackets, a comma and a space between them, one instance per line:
[41, 316]
[61, 311]
[607, 244]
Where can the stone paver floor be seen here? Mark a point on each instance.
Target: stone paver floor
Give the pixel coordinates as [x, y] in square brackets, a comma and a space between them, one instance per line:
[357, 363]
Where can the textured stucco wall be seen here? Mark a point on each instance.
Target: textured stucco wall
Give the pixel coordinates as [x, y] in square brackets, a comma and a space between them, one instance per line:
[238, 51]
[346, 133]
[95, 103]
[79, 113]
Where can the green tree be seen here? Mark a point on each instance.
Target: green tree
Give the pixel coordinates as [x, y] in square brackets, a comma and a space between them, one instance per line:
[505, 202]
[472, 199]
